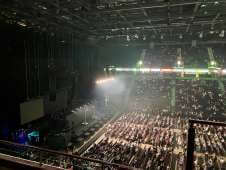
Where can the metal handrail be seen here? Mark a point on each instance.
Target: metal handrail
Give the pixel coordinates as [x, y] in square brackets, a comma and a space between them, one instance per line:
[191, 139]
[103, 163]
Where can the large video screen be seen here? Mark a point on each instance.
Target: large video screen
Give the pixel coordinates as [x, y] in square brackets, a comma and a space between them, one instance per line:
[31, 110]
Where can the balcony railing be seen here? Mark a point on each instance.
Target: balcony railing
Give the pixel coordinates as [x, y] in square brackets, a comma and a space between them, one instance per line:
[54, 158]
[59, 159]
[191, 139]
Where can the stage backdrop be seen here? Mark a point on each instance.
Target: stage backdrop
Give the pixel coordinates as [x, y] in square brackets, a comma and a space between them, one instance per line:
[31, 110]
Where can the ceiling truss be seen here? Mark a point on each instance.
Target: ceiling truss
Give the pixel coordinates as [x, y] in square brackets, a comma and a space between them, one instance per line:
[105, 20]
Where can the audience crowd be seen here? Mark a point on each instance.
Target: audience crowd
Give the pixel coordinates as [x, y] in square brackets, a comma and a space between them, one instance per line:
[149, 136]
[200, 100]
[133, 137]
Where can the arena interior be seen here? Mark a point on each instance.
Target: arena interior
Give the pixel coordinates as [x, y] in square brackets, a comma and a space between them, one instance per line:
[113, 84]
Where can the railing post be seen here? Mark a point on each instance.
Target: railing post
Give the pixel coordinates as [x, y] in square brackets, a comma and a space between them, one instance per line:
[190, 146]
[40, 161]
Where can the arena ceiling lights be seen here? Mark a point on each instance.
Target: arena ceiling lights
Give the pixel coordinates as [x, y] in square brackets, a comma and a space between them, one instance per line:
[173, 70]
[133, 22]
[104, 81]
[188, 71]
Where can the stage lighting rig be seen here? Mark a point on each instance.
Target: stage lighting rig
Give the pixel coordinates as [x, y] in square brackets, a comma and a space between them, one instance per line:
[106, 80]
[140, 63]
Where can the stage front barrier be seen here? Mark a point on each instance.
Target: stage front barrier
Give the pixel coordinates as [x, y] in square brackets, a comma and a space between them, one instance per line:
[45, 157]
[206, 147]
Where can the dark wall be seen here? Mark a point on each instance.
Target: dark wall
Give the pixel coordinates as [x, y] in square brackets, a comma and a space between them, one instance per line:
[12, 71]
[50, 61]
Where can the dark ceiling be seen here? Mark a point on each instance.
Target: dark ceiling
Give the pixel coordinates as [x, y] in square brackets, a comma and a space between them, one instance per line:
[123, 21]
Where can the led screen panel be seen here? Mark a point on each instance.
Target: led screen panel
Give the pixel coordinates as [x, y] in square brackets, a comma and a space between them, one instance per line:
[31, 110]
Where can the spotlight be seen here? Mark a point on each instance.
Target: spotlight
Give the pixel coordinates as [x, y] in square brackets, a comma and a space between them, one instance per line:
[221, 34]
[73, 111]
[201, 35]
[136, 36]
[203, 5]
[212, 63]
[127, 38]
[224, 71]
[181, 36]
[211, 32]
[42, 7]
[140, 63]
[178, 62]
[102, 81]
[21, 24]
[144, 37]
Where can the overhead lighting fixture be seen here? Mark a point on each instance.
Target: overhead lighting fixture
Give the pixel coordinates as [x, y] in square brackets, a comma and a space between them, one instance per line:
[155, 69]
[181, 36]
[221, 34]
[144, 37]
[213, 63]
[66, 17]
[216, 3]
[170, 70]
[201, 35]
[127, 38]
[203, 5]
[105, 80]
[136, 36]
[224, 71]
[145, 70]
[107, 37]
[21, 24]
[140, 63]
[179, 63]
[42, 7]
[211, 32]
[115, 29]
[73, 111]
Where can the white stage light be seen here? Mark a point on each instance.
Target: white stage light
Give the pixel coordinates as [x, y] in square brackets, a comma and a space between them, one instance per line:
[178, 62]
[155, 69]
[127, 38]
[140, 62]
[221, 34]
[181, 36]
[201, 35]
